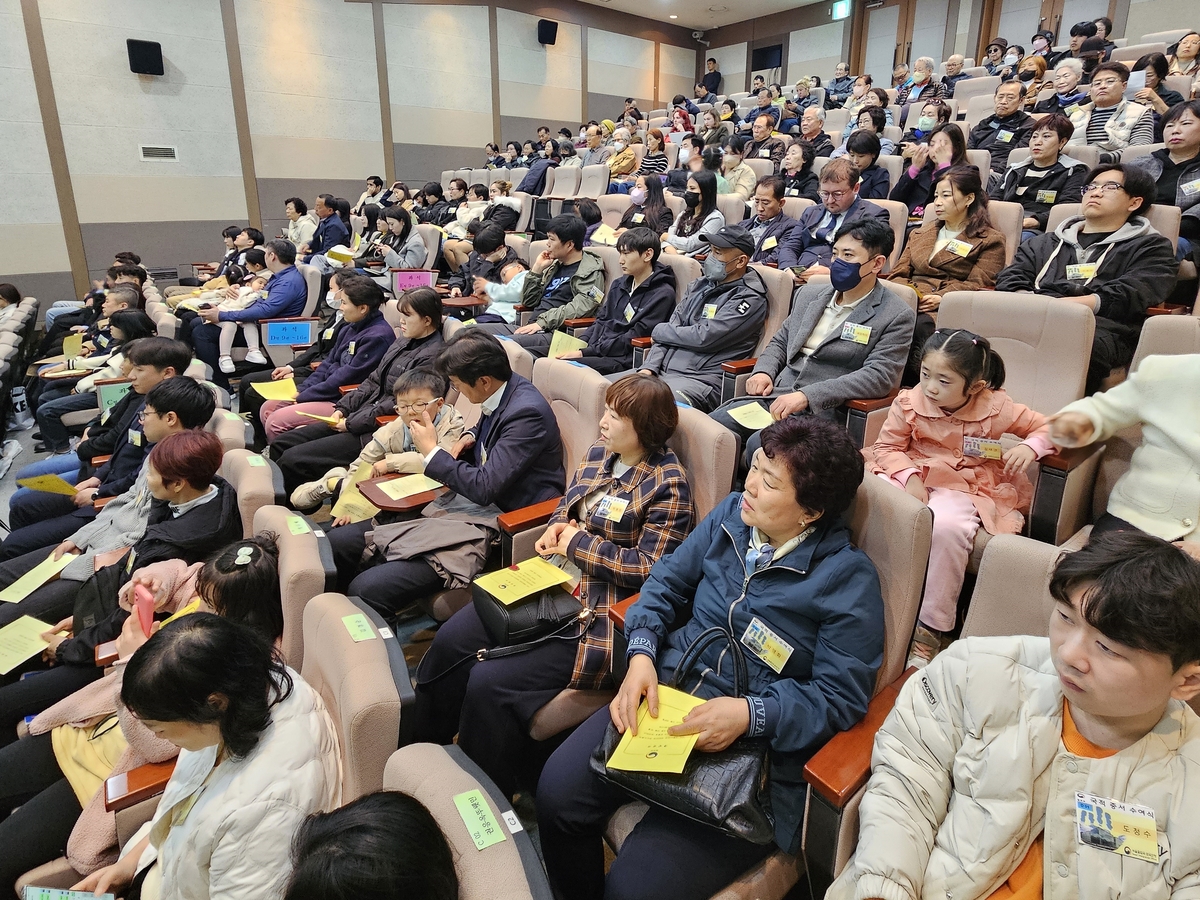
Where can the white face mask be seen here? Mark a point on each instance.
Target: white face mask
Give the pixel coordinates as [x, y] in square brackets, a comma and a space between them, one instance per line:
[618, 146]
[332, 301]
[1010, 60]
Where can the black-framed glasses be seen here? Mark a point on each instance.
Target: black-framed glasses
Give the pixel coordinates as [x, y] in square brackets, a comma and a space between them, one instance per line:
[419, 407]
[1106, 187]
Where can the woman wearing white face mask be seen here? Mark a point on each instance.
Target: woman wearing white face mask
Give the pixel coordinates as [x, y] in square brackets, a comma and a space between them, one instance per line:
[654, 163]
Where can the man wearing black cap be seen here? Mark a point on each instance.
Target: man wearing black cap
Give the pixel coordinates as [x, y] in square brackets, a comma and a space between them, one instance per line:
[1080, 32]
[719, 319]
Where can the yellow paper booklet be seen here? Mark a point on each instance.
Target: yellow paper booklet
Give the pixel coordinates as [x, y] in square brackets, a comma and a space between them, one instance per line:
[751, 415]
[652, 749]
[50, 484]
[399, 488]
[35, 577]
[351, 502]
[518, 581]
[283, 389]
[19, 641]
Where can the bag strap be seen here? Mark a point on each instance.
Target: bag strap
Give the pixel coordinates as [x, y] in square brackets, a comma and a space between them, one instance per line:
[704, 640]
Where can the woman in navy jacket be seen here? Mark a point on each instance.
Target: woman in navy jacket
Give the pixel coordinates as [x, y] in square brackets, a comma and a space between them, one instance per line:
[774, 560]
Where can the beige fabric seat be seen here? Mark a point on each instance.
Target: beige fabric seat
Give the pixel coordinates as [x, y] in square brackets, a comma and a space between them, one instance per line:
[434, 775]
[686, 271]
[898, 219]
[761, 167]
[732, 207]
[229, 427]
[306, 568]
[365, 685]
[258, 484]
[612, 208]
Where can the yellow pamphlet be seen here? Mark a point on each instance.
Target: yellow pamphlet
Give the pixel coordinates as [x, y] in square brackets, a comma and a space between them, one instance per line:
[399, 488]
[283, 389]
[63, 374]
[184, 611]
[562, 342]
[49, 484]
[751, 415]
[21, 640]
[351, 502]
[35, 577]
[73, 345]
[605, 236]
[328, 420]
[652, 749]
[519, 581]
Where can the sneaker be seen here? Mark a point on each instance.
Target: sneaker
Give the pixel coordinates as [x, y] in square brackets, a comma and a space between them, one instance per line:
[256, 357]
[226, 365]
[314, 493]
[926, 644]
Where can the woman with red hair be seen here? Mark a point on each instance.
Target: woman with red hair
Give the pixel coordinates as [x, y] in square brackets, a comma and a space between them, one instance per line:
[681, 122]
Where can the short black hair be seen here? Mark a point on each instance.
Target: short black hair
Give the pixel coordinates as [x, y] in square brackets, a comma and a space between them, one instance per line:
[678, 100]
[255, 235]
[422, 378]
[285, 251]
[190, 400]
[1084, 29]
[256, 256]
[774, 183]
[134, 323]
[639, 240]
[10, 294]
[299, 205]
[472, 354]
[864, 142]
[424, 302]
[711, 59]
[361, 291]
[129, 271]
[1137, 182]
[490, 238]
[161, 353]
[875, 235]
[1144, 592]
[434, 189]
[231, 231]
[568, 229]
[375, 180]
[329, 200]
[588, 211]
[824, 465]
[128, 257]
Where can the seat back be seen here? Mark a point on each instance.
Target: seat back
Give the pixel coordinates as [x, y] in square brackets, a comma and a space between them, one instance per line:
[893, 132]
[894, 165]
[519, 359]
[1180, 84]
[593, 182]
[674, 204]
[982, 160]
[969, 88]
[1167, 336]
[306, 568]
[519, 243]
[1165, 37]
[525, 218]
[229, 427]
[1131, 53]
[478, 176]
[576, 395]
[686, 271]
[895, 530]
[1007, 218]
[708, 452]
[550, 186]
[1134, 152]
[447, 177]
[1045, 343]
[835, 121]
[1082, 153]
[732, 208]
[432, 236]
[780, 288]
[365, 685]
[506, 870]
[517, 175]
[1012, 594]
[794, 207]
[1163, 219]
[612, 263]
[257, 483]
[612, 207]
[898, 219]
[312, 281]
[464, 174]
[761, 167]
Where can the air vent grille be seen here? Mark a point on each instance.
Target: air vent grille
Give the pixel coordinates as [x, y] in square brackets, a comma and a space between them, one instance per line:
[152, 153]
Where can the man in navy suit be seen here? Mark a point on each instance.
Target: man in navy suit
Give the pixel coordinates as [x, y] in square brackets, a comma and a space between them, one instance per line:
[512, 458]
[331, 231]
[810, 244]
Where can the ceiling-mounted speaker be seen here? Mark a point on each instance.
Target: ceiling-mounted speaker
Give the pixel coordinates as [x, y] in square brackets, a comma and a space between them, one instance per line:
[145, 57]
[547, 31]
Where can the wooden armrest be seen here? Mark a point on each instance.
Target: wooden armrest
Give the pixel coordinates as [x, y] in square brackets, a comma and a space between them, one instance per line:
[371, 490]
[100, 381]
[347, 388]
[102, 502]
[136, 785]
[383, 420]
[519, 308]
[642, 343]
[470, 301]
[616, 611]
[872, 405]
[585, 322]
[98, 461]
[528, 516]
[106, 653]
[739, 366]
[842, 766]
[1068, 460]
[1167, 309]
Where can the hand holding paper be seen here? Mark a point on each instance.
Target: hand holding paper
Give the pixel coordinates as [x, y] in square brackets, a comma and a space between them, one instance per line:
[563, 342]
[516, 582]
[655, 747]
[751, 415]
[47, 569]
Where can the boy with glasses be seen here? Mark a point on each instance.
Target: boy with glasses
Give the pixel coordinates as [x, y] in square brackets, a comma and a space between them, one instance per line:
[1110, 259]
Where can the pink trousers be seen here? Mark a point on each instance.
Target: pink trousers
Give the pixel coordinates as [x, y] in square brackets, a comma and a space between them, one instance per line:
[955, 522]
[279, 416]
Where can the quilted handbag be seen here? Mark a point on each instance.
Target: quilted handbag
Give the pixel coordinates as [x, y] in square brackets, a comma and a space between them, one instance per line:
[539, 615]
[729, 790]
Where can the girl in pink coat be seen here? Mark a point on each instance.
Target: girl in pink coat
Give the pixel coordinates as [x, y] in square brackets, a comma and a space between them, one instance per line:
[941, 443]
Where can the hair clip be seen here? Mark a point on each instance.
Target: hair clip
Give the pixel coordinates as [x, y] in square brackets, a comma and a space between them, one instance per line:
[245, 554]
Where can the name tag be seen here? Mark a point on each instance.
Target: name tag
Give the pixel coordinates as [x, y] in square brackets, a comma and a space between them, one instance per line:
[104, 415]
[1190, 188]
[135, 438]
[982, 448]
[764, 643]
[628, 312]
[1047, 196]
[1004, 136]
[764, 153]
[1072, 109]
[129, 561]
[859, 334]
[595, 294]
[351, 348]
[770, 243]
[611, 508]
[482, 456]
[792, 192]
[1116, 827]
[638, 218]
[101, 341]
[710, 310]
[328, 334]
[1081, 272]
[958, 248]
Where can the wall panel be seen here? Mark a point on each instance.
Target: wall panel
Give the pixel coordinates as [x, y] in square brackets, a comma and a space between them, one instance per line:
[815, 51]
[676, 72]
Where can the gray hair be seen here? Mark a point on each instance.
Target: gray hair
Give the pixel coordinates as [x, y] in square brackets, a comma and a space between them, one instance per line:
[819, 111]
[928, 61]
[1071, 63]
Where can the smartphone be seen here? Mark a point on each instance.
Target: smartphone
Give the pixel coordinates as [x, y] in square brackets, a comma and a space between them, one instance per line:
[43, 893]
[798, 270]
[144, 604]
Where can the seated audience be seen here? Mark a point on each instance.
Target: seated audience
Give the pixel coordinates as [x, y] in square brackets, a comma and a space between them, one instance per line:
[218, 691]
[597, 151]
[862, 149]
[729, 113]
[1008, 128]
[839, 88]
[1032, 75]
[1183, 56]
[301, 226]
[793, 108]
[808, 250]
[1104, 695]
[711, 129]
[504, 296]
[874, 98]
[640, 299]
[1104, 27]
[945, 147]
[776, 556]
[1080, 33]
[1156, 94]
[871, 120]
[385, 846]
[10, 302]
[1047, 177]
[700, 217]
[1069, 92]
[372, 196]
[933, 114]
[954, 73]
[740, 177]
[400, 247]
[502, 210]
[1176, 170]
[769, 226]
[846, 340]
[799, 180]
[489, 703]
[719, 319]
[900, 76]
[624, 160]
[1109, 258]
[647, 207]
[654, 164]
[995, 51]
[544, 160]
[812, 129]
[921, 449]
[1111, 122]
[1040, 45]
[331, 232]
[682, 102]
[511, 459]
[763, 145]
[922, 87]
[765, 107]
[432, 207]
[489, 254]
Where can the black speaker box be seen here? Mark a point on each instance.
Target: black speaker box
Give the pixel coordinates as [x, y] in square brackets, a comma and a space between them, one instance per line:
[145, 57]
[547, 31]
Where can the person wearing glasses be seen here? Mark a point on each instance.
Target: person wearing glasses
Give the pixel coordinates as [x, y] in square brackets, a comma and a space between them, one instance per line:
[1110, 122]
[1109, 258]
[808, 249]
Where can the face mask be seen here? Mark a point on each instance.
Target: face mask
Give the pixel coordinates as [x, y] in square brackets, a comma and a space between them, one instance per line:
[920, 77]
[926, 123]
[731, 160]
[685, 154]
[1027, 75]
[332, 301]
[1010, 60]
[714, 269]
[691, 198]
[618, 146]
[637, 196]
[844, 275]
[1039, 44]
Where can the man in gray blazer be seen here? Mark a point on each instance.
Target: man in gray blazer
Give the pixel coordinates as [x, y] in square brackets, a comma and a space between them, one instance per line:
[848, 340]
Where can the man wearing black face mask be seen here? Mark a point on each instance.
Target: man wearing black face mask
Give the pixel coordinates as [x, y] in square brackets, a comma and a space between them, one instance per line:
[843, 340]
[719, 319]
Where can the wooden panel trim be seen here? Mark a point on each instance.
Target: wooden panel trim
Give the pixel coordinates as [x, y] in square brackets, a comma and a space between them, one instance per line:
[494, 54]
[241, 113]
[657, 75]
[60, 172]
[385, 93]
[585, 112]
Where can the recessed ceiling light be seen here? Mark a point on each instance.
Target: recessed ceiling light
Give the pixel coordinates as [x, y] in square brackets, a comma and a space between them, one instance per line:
[674, 17]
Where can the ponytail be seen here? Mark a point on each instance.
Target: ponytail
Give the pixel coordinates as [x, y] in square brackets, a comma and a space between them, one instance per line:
[969, 354]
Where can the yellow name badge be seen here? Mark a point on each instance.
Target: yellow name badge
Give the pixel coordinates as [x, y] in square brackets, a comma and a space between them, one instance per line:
[1190, 188]
[984, 448]
[767, 645]
[770, 243]
[328, 333]
[1004, 136]
[135, 438]
[639, 218]
[611, 508]
[1072, 109]
[958, 248]
[352, 347]
[859, 334]
[1116, 827]
[1047, 196]
[710, 310]
[628, 312]
[1081, 272]
[792, 192]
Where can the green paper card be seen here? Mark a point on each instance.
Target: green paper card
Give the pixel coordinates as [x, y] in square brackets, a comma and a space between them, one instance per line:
[477, 816]
[359, 627]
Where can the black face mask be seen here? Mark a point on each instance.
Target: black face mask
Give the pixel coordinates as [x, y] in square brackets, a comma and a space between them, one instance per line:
[692, 199]
[1026, 75]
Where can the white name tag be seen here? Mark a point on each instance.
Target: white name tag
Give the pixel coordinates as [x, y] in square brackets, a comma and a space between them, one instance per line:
[135, 438]
[1190, 188]
[984, 448]
[710, 310]
[859, 334]
[764, 154]
[767, 645]
[638, 218]
[1004, 136]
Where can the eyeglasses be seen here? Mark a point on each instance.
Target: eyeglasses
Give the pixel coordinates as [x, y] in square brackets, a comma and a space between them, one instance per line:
[835, 196]
[419, 407]
[146, 412]
[1105, 187]
[1106, 83]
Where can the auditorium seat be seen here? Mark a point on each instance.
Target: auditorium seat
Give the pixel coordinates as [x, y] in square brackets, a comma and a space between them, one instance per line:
[612, 208]
[256, 481]
[1162, 218]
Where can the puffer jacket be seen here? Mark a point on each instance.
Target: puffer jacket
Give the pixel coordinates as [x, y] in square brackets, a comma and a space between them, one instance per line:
[823, 598]
[1062, 183]
[503, 211]
[627, 314]
[374, 396]
[234, 842]
[969, 768]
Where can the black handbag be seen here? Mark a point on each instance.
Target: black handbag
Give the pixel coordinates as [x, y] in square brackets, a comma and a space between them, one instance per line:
[729, 790]
[537, 616]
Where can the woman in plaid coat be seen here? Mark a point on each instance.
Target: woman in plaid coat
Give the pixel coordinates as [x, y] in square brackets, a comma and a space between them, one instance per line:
[628, 505]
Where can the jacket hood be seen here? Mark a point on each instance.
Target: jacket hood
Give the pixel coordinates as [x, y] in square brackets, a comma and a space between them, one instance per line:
[660, 275]
[1068, 231]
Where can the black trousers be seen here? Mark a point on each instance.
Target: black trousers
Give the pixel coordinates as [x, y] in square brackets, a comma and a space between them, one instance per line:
[665, 857]
[49, 531]
[387, 586]
[314, 454]
[37, 693]
[51, 602]
[37, 832]
[489, 704]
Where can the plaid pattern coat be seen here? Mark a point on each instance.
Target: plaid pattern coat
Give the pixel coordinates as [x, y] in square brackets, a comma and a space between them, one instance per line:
[616, 557]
